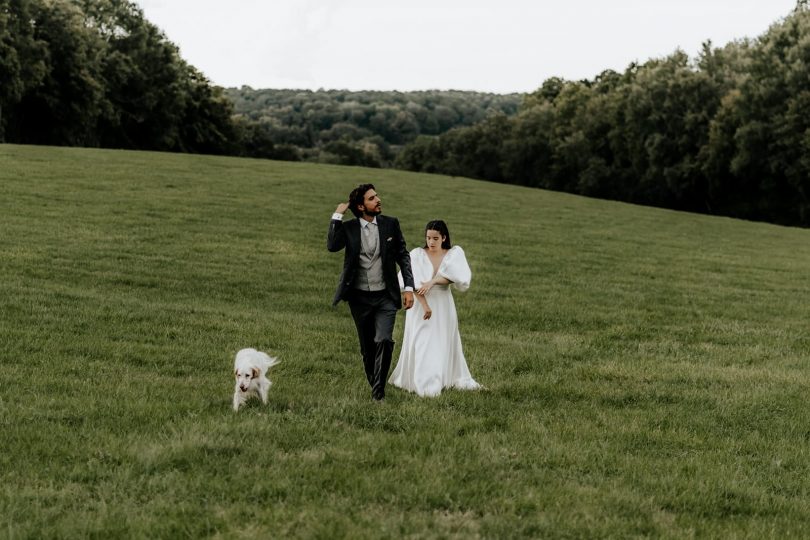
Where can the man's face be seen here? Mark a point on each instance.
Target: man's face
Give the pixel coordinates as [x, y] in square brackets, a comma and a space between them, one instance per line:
[372, 205]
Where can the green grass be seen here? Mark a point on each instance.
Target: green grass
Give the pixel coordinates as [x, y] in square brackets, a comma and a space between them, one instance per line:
[646, 371]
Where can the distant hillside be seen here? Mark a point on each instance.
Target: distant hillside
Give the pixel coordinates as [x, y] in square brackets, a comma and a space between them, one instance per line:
[355, 128]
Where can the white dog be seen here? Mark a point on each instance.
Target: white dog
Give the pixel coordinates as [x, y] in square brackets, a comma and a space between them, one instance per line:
[250, 368]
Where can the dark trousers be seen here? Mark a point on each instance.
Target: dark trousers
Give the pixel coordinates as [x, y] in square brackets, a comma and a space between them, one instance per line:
[374, 314]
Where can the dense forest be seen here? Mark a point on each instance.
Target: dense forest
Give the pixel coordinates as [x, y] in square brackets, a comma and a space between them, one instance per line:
[358, 128]
[727, 132]
[96, 73]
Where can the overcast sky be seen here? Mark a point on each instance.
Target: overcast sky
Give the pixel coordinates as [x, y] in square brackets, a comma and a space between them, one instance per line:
[497, 46]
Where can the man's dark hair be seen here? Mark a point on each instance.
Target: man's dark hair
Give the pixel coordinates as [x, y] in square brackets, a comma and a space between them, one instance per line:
[357, 198]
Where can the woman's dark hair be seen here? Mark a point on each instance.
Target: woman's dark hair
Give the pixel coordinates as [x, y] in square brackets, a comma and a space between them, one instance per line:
[357, 197]
[440, 227]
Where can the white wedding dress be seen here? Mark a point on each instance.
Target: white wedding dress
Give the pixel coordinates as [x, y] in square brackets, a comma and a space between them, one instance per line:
[431, 357]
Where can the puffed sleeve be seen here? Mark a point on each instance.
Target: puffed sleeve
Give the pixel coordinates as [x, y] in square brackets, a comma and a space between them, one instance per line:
[454, 267]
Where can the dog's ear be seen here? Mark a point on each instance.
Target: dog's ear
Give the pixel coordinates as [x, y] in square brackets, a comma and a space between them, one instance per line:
[255, 372]
[235, 372]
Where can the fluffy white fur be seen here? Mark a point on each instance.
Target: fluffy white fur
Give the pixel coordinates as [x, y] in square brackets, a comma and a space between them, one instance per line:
[250, 368]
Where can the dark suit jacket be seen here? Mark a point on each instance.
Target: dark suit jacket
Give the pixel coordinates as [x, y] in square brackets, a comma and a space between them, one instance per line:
[392, 251]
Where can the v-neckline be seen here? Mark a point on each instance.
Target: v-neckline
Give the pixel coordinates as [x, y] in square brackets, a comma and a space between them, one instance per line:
[435, 268]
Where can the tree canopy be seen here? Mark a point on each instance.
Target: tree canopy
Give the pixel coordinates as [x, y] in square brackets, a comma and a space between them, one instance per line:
[97, 73]
[725, 133]
[360, 128]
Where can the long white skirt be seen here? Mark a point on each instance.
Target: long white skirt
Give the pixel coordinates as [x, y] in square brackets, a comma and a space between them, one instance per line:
[431, 357]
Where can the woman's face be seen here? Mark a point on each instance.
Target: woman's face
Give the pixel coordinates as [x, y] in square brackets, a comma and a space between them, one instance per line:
[434, 240]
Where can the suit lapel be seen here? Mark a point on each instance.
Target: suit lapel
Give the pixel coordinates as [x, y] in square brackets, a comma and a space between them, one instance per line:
[354, 236]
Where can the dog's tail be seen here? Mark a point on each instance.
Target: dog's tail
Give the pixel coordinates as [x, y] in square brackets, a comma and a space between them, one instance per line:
[269, 361]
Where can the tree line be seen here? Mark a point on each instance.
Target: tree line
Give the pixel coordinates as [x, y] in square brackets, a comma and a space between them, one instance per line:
[97, 73]
[365, 128]
[726, 133]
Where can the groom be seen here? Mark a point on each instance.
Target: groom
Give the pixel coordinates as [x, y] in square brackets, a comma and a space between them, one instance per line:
[374, 246]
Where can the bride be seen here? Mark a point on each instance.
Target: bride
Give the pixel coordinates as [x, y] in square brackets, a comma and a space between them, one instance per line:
[431, 357]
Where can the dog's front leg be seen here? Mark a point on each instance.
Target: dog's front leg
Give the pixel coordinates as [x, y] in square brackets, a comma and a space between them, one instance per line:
[237, 399]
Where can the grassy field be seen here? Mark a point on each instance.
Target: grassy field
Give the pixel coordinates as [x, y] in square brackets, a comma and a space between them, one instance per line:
[646, 371]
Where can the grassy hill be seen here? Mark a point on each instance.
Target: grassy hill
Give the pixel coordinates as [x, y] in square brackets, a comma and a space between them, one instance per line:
[646, 371]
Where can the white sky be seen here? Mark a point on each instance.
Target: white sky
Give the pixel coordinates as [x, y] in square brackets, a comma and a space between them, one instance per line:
[498, 46]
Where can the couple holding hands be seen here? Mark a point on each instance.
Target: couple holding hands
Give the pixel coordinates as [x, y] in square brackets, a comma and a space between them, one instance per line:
[431, 357]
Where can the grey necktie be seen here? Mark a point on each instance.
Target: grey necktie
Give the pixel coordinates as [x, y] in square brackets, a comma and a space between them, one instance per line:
[371, 235]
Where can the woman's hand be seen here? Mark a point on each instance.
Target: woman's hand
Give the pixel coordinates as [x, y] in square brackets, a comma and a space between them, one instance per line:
[425, 307]
[426, 286]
